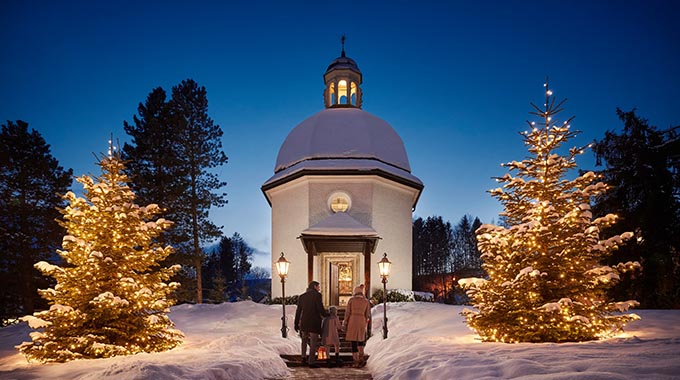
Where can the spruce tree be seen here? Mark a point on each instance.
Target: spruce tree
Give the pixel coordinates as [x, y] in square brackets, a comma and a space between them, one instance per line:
[155, 170]
[30, 181]
[642, 161]
[176, 147]
[418, 249]
[227, 261]
[111, 295]
[465, 252]
[545, 279]
[152, 159]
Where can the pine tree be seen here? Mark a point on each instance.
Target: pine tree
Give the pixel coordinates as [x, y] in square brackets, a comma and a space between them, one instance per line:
[157, 176]
[465, 252]
[218, 289]
[152, 159]
[227, 261]
[30, 181]
[111, 296]
[642, 161]
[545, 280]
[475, 263]
[418, 249]
[175, 147]
[200, 148]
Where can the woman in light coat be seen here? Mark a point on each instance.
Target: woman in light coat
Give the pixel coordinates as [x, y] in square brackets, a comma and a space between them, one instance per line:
[357, 316]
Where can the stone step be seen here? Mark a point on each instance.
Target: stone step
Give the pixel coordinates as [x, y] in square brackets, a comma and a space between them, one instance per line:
[296, 360]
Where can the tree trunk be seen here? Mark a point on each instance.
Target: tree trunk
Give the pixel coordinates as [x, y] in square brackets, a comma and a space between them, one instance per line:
[197, 244]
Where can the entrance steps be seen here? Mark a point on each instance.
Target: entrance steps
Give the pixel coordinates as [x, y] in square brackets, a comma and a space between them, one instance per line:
[345, 357]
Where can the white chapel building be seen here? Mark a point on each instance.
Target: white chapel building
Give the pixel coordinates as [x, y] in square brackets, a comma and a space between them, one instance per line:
[342, 195]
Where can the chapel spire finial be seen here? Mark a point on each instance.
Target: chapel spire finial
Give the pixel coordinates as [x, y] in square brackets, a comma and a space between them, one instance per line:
[342, 41]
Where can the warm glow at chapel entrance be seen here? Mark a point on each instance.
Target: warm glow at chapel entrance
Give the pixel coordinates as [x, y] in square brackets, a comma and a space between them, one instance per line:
[341, 276]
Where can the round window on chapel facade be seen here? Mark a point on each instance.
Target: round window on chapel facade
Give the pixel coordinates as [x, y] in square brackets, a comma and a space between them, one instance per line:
[339, 202]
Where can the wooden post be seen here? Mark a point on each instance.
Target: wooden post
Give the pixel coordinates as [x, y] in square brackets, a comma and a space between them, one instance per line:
[310, 267]
[367, 271]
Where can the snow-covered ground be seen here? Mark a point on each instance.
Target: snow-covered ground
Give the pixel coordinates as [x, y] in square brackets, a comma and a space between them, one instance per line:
[426, 341]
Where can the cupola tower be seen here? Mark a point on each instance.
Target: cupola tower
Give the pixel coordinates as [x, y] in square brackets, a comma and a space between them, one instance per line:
[343, 82]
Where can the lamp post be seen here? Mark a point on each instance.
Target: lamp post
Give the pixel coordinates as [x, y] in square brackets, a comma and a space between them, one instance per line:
[282, 267]
[384, 266]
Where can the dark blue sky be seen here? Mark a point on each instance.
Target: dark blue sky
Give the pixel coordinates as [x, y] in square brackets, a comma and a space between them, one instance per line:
[453, 78]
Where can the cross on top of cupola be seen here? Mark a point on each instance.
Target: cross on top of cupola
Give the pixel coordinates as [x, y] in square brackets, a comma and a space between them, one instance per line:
[342, 80]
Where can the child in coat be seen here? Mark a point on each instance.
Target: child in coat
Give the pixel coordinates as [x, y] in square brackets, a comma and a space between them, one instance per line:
[330, 327]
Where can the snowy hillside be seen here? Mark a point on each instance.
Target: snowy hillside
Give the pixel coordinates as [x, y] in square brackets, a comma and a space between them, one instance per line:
[426, 341]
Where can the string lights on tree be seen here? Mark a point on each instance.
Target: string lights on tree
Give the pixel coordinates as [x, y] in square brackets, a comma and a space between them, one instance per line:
[546, 281]
[111, 295]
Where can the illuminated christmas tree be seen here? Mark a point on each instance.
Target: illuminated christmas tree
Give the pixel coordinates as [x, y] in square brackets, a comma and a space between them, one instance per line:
[546, 281]
[111, 295]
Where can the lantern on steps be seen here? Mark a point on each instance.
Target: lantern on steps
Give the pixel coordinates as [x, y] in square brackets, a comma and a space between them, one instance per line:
[321, 353]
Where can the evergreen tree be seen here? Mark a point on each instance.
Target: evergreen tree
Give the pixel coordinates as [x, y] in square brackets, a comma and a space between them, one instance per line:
[243, 254]
[227, 261]
[200, 147]
[440, 244]
[30, 181]
[642, 163]
[152, 159]
[432, 246]
[545, 280]
[176, 145]
[475, 255]
[211, 271]
[218, 288]
[462, 245]
[418, 248]
[231, 262]
[465, 254]
[432, 253]
[111, 296]
[156, 174]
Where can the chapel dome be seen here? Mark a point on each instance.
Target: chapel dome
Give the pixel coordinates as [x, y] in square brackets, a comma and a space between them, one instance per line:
[343, 133]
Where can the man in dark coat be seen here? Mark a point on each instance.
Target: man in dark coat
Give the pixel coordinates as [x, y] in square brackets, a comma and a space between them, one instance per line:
[308, 318]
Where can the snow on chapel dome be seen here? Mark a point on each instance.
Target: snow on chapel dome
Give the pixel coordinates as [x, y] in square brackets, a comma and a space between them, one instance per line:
[343, 133]
[343, 139]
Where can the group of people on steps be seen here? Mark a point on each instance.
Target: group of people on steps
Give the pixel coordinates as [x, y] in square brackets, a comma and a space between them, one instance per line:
[312, 320]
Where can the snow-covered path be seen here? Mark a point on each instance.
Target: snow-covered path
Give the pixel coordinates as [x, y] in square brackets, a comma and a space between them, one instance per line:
[242, 341]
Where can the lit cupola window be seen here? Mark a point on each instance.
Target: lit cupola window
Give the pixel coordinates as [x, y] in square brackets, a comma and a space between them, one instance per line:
[343, 80]
[342, 91]
[331, 94]
[353, 94]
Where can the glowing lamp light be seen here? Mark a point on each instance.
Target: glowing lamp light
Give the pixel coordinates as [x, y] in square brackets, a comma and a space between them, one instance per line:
[282, 266]
[384, 267]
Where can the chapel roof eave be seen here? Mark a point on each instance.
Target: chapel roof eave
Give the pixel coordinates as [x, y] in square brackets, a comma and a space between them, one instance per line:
[331, 167]
[313, 244]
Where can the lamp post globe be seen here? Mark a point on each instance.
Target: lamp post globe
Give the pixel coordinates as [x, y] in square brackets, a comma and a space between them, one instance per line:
[282, 266]
[384, 267]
